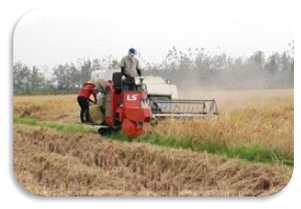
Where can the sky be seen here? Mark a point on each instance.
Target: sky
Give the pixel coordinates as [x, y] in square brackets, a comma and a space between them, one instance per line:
[238, 28]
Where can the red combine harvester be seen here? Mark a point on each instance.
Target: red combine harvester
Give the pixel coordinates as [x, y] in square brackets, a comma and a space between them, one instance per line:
[129, 110]
[132, 108]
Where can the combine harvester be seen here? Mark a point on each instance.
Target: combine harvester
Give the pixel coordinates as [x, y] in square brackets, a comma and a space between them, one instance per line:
[152, 99]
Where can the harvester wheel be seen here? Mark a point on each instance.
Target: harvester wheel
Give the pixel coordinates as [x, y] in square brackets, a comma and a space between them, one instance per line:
[104, 131]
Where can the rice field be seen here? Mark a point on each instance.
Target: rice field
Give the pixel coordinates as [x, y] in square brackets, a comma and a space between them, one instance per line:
[246, 151]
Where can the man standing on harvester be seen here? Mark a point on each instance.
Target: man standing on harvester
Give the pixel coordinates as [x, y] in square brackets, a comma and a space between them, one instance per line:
[130, 68]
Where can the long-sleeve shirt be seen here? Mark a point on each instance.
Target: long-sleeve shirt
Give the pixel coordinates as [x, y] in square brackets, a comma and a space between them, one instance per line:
[87, 90]
[131, 66]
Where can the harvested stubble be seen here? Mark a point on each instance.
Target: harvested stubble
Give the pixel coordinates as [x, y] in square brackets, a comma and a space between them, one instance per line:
[63, 108]
[54, 164]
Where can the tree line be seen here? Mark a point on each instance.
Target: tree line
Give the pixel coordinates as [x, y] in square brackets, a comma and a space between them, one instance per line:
[198, 68]
[64, 79]
[191, 68]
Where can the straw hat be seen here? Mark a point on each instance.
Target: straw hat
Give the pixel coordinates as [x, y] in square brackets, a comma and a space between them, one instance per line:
[89, 83]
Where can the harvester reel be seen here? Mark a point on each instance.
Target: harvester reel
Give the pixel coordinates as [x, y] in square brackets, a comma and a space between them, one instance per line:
[184, 108]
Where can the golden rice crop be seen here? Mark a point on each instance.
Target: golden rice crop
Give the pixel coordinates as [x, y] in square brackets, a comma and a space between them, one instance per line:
[269, 126]
[51, 163]
[262, 117]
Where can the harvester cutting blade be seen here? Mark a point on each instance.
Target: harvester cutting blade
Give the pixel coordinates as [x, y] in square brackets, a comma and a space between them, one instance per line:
[184, 108]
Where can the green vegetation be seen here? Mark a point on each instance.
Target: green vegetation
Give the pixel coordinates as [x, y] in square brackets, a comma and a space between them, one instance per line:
[61, 127]
[250, 153]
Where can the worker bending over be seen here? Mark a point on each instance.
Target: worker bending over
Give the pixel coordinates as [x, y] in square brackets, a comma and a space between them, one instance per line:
[83, 100]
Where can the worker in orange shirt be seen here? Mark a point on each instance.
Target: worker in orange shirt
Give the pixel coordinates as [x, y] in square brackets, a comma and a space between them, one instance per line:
[83, 100]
